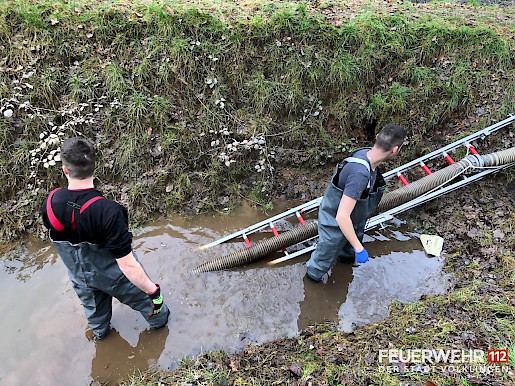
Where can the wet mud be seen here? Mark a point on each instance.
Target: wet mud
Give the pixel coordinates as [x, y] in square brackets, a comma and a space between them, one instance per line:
[44, 332]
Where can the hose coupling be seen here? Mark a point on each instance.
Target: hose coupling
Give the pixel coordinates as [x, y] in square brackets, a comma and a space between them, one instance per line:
[474, 161]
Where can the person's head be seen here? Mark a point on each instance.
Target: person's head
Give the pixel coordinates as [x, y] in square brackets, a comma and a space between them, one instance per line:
[78, 157]
[390, 139]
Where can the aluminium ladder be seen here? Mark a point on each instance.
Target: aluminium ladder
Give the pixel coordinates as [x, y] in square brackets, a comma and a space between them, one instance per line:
[382, 218]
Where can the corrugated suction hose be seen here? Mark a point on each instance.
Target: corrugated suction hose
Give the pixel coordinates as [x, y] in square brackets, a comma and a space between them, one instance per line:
[260, 249]
[442, 176]
[390, 200]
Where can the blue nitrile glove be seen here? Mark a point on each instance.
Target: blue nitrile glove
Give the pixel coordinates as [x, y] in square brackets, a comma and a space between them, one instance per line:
[361, 257]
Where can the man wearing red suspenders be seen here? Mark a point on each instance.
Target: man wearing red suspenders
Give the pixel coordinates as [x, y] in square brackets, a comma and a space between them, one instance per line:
[91, 235]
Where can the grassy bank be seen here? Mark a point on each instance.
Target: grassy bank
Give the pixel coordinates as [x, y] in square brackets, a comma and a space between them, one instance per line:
[195, 109]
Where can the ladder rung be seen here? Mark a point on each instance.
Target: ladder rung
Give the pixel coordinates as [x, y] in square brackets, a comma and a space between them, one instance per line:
[274, 231]
[246, 240]
[402, 178]
[425, 168]
[448, 158]
[299, 217]
[472, 149]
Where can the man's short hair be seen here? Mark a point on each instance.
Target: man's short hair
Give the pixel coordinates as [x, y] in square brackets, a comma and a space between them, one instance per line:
[390, 136]
[78, 156]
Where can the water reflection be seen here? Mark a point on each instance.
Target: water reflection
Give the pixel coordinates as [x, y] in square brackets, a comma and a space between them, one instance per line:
[402, 276]
[109, 369]
[26, 260]
[323, 300]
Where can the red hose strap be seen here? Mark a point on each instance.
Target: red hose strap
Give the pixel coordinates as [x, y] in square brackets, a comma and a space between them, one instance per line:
[425, 168]
[448, 158]
[299, 217]
[472, 149]
[246, 240]
[403, 179]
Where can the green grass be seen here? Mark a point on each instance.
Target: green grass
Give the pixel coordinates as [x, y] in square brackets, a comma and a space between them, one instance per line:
[137, 109]
[128, 159]
[345, 71]
[511, 355]
[115, 81]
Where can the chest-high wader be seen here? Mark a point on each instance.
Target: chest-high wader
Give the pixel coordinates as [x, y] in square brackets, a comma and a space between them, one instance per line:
[95, 274]
[332, 244]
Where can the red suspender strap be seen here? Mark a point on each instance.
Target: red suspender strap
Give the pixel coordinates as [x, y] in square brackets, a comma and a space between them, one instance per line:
[89, 202]
[72, 224]
[56, 224]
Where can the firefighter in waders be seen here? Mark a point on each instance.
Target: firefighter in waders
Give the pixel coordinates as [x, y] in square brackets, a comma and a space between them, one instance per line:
[351, 197]
[91, 235]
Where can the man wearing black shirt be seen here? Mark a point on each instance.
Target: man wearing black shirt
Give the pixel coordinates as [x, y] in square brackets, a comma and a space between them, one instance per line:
[91, 235]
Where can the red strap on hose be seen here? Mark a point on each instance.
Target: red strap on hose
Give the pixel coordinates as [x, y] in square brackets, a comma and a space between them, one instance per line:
[56, 224]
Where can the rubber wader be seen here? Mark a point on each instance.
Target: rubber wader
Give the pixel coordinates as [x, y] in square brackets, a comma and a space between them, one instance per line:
[332, 244]
[96, 278]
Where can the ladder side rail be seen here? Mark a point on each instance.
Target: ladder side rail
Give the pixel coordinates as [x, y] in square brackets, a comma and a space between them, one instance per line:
[265, 223]
[293, 255]
[437, 153]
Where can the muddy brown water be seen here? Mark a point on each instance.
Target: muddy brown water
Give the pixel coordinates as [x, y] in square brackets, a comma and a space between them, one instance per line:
[43, 328]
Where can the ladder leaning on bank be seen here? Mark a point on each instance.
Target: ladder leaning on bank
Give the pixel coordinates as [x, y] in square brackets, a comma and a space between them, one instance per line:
[382, 218]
